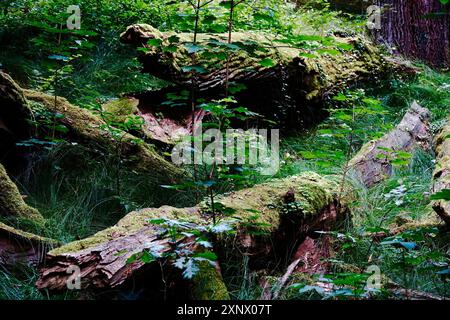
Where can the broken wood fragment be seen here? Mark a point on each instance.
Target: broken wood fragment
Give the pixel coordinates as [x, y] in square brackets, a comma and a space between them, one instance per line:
[372, 163]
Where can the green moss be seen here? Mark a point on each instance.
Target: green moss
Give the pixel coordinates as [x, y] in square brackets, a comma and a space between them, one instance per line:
[129, 224]
[88, 128]
[11, 201]
[320, 73]
[312, 192]
[442, 149]
[120, 110]
[22, 235]
[208, 284]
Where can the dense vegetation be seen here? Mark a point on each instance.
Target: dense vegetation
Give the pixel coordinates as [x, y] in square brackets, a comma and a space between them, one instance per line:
[80, 193]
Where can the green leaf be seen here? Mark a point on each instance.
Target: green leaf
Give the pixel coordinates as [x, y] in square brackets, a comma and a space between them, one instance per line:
[443, 272]
[209, 255]
[154, 42]
[441, 195]
[267, 63]
[193, 48]
[147, 257]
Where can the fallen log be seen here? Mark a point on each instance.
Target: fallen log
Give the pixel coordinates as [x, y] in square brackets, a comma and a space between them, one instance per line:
[266, 229]
[15, 116]
[89, 129]
[373, 163]
[161, 125]
[19, 247]
[11, 201]
[441, 173]
[282, 82]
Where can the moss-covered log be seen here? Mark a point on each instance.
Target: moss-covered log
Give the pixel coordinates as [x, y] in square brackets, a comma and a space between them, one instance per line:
[11, 201]
[22, 247]
[442, 172]
[269, 225]
[161, 125]
[91, 130]
[15, 116]
[283, 82]
[374, 162]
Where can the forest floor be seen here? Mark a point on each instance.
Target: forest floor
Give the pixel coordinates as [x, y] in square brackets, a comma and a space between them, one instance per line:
[74, 201]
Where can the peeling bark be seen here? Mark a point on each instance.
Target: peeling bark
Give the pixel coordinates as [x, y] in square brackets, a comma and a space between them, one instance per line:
[413, 131]
[162, 125]
[102, 257]
[442, 172]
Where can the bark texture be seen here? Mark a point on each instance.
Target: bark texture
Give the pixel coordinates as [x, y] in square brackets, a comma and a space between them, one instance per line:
[418, 29]
[373, 164]
[102, 257]
[442, 172]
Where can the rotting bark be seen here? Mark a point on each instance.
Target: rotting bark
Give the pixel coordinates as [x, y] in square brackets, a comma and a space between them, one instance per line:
[442, 172]
[163, 125]
[290, 91]
[87, 128]
[265, 231]
[11, 201]
[19, 247]
[372, 164]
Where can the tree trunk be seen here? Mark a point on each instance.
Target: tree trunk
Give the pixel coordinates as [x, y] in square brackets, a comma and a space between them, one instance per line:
[269, 229]
[373, 163]
[418, 29]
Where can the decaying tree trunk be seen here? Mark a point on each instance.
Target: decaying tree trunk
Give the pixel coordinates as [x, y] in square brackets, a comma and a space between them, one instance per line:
[281, 83]
[162, 125]
[442, 172]
[372, 163]
[11, 201]
[86, 128]
[268, 226]
[19, 247]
